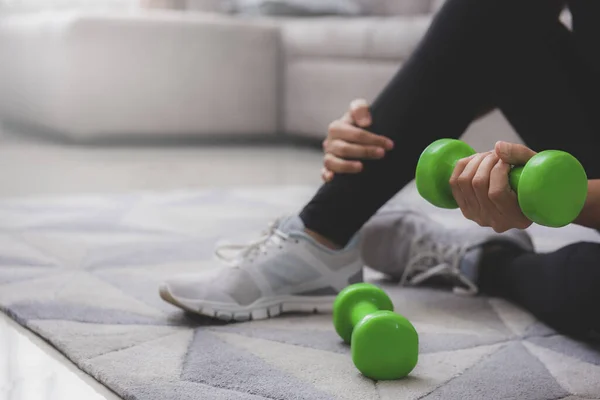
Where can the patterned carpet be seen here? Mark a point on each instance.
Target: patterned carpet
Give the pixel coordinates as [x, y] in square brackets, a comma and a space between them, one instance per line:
[83, 274]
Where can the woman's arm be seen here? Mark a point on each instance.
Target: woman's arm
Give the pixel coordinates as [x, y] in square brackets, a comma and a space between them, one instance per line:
[590, 215]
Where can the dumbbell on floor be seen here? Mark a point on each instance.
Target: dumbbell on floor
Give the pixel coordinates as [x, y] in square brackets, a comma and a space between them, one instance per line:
[551, 188]
[385, 345]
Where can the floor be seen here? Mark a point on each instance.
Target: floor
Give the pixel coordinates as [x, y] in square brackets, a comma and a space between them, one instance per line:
[31, 166]
[29, 368]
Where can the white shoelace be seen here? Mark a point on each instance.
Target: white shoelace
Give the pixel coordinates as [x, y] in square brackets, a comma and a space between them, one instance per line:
[430, 257]
[241, 252]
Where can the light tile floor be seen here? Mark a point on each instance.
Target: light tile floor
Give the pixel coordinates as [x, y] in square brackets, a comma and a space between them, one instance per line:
[34, 167]
[30, 369]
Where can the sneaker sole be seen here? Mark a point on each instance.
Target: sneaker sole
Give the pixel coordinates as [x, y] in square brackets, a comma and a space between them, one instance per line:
[264, 308]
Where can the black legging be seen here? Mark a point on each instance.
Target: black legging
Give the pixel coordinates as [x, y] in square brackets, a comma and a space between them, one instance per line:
[561, 288]
[477, 55]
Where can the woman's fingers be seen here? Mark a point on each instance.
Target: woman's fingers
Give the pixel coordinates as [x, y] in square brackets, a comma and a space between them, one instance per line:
[454, 185]
[505, 199]
[342, 149]
[326, 175]
[513, 153]
[338, 165]
[360, 113]
[480, 186]
[349, 133]
[471, 208]
[490, 215]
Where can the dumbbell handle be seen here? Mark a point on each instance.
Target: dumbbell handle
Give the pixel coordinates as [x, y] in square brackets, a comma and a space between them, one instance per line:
[361, 310]
[514, 176]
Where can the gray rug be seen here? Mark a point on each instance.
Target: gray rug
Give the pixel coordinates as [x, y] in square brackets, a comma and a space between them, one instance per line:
[83, 274]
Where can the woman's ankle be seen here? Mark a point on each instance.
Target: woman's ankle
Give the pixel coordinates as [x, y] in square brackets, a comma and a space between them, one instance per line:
[322, 239]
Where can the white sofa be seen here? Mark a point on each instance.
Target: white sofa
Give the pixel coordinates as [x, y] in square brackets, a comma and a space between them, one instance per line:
[330, 62]
[98, 75]
[165, 72]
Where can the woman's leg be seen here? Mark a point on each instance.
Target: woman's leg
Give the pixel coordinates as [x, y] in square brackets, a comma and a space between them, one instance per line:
[548, 88]
[559, 288]
[507, 53]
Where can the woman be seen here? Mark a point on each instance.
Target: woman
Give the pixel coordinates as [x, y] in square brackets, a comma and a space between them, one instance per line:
[477, 55]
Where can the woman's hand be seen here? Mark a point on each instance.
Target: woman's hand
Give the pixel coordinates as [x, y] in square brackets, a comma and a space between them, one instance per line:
[480, 187]
[347, 142]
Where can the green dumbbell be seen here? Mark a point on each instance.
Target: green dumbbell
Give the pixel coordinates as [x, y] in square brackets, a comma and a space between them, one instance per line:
[551, 188]
[384, 344]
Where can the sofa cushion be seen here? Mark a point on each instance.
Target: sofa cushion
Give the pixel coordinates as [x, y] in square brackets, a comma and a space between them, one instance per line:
[219, 6]
[298, 8]
[436, 5]
[396, 7]
[361, 38]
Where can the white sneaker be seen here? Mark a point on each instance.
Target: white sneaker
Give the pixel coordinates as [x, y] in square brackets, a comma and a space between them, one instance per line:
[284, 271]
[411, 247]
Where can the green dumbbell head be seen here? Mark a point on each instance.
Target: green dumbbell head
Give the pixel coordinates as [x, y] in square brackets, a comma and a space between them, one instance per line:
[551, 187]
[434, 170]
[385, 345]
